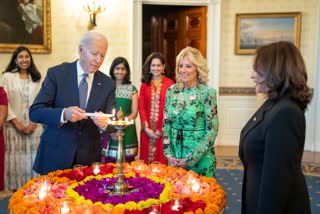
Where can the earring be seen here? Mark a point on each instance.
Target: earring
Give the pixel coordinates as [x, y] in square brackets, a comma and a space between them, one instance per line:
[162, 71]
[16, 68]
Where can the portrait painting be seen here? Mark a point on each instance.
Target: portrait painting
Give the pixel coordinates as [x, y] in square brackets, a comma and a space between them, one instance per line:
[25, 22]
[254, 30]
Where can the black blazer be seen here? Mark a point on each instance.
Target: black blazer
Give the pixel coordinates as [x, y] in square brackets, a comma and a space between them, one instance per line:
[271, 149]
[60, 144]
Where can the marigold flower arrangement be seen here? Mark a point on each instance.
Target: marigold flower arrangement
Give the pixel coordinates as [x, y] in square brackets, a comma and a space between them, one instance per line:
[83, 191]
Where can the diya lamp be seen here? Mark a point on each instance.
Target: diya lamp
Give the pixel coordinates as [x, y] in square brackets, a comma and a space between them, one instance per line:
[155, 167]
[44, 189]
[155, 209]
[139, 165]
[194, 183]
[64, 209]
[176, 204]
[96, 168]
[120, 187]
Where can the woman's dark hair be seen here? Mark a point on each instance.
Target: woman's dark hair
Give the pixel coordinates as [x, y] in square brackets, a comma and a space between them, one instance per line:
[32, 69]
[117, 61]
[284, 71]
[146, 74]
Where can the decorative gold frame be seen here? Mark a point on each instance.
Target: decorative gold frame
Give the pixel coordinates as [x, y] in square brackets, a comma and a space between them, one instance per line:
[45, 47]
[256, 41]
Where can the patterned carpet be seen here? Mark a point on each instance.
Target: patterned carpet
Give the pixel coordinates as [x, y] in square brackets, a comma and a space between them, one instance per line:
[229, 176]
[235, 163]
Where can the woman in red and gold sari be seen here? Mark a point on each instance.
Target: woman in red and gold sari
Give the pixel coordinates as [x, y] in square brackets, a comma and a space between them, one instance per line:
[151, 103]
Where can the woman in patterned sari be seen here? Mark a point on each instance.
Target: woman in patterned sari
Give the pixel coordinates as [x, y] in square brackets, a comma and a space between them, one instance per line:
[127, 100]
[190, 124]
[151, 102]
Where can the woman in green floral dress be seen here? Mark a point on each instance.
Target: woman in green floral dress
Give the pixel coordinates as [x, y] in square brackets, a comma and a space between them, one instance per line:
[190, 124]
[127, 99]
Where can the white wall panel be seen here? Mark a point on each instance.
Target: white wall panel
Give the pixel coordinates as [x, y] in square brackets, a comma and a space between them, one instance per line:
[234, 112]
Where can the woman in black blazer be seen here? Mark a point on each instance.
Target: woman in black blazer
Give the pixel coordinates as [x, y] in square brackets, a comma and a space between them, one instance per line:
[272, 141]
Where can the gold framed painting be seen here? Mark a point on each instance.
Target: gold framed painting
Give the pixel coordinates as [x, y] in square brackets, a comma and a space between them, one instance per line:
[257, 29]
[25, 23]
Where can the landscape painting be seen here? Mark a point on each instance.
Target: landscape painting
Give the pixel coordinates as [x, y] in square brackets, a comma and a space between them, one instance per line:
[254, 30]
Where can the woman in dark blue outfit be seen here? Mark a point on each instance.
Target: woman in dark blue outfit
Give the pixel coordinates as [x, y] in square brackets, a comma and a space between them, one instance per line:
[272, 142]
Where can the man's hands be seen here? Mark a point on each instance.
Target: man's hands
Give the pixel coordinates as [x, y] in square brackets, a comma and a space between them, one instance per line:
[74, 114]
[100, 121]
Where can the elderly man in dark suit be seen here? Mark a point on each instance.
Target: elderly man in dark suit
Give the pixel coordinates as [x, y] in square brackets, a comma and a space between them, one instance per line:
[69, 91]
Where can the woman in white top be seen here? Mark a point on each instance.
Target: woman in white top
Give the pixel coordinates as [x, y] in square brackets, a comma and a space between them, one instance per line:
[21, 81]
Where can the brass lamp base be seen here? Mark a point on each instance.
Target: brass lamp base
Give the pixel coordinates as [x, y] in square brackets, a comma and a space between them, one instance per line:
[120, 187]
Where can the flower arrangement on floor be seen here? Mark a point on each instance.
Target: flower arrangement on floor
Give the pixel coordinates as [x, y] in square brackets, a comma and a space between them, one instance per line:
[154, 188]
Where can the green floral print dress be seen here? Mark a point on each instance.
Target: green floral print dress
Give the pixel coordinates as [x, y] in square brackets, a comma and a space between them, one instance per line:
[190, 126]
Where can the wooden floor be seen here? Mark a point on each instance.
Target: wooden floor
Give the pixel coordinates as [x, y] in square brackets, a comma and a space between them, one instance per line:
[232, 151]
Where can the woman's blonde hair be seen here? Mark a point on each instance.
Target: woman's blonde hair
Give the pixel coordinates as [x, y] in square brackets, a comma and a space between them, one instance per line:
[198, 60]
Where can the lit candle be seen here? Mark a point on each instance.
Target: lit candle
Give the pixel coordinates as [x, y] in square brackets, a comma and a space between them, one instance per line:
[96, 168]
[42, 194]
[64, 209]
[139, 165]
[195, 186]
[87, 211]
[176, 204]
[155, 167]
[44, 189]
[113, 112]
[155, 209]
[155, 170]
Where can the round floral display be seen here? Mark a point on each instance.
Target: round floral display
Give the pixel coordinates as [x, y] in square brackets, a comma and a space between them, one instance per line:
[141, 189]
[152, 189]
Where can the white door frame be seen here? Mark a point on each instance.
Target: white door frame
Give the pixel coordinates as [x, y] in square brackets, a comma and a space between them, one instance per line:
[313, 134]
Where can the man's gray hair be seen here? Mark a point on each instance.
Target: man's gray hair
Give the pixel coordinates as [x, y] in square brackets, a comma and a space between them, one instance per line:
[92, 35]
